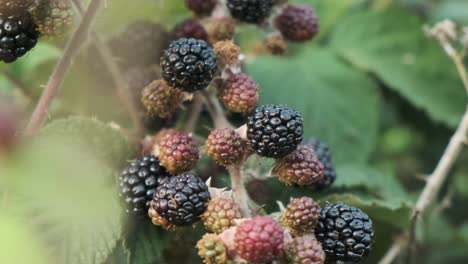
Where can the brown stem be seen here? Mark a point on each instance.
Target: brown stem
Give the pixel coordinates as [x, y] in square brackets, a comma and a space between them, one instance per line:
[196, 110]
[123, 93]
[240, 193]
[63, 65]
[216, 111]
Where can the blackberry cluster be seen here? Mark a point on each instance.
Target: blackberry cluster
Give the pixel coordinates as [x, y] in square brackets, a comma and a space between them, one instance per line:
[181, 200]
[274, 131]
[324, 155]
[18, 35]
[138, 183]
[188, 64]
[346, 233]
[251, 11]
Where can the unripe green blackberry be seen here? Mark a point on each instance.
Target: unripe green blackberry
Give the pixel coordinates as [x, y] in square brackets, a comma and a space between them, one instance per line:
[346, 233]
[181, 199]
[301, 215]
[240, 93]
[305, 250]
[138, 183]
[161, 100]
[191, 28]
[302, 167]
[178, 152]
[14, 7]
[201, 7]
[221, 214]
[212, 250]
[18, 35]
[324, 155]
[274, 131]
[53, 17]
[225, 147]
[297, 22]
[250, 11]
[188, 64]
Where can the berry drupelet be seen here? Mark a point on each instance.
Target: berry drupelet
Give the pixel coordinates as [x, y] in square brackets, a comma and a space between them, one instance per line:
[346, 233]
[251, 11]
[181, 200]
[18, 35]
[188, 64]
[138, 183]
[274, 131]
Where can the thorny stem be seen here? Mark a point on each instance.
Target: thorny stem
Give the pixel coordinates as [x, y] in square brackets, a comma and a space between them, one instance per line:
[123, 93]
[439, 175]
[63, 65]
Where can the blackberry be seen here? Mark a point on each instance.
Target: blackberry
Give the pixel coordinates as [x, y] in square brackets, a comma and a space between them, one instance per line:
[324, 155]
[12, 7]
[212, 250]
[346, 233]
[182, 199]
[304, 250]
[251, 11]
[225, 146]
[201, 7]
[141, 44]
[191, 28]
[138, 182]
[53, 17]
[274, 131]
[18, 35]
[301, 215]
[188, 64]
[297, 22]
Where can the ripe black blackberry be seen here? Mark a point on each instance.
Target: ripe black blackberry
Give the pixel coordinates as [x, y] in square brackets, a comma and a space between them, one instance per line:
[346, 233]
[274, 131]
[251, 11]
[18, 35]
[188, 64]
[138, 183]
[181, 200]
[324, 155]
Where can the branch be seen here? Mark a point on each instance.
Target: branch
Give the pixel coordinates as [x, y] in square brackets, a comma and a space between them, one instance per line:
[195, 112]
[123, 92]
[240, 193]
[63, 65]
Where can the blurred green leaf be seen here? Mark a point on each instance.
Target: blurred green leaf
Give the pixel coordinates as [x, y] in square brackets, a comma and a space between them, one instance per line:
[42, 53]
[450, 9]
[339, 104]
[18, 244]
[147, 244]
[391, 44]
[463, 233]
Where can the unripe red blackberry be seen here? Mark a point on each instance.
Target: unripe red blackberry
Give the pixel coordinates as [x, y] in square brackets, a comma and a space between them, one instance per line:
[201, 7]
[7, 131]
[138, 182]
[220, 29]
[188, 64]
[161, 100]
[227, 52]
[324, 155]
[301, 215]
[305, 250]
[178, 152]
[250, 11]
[191, 28]
[162, 134]
[141, 44]
[346, 233]
[53, 17]
[137, 78]
[181, 199]
[259, 240]
[274, 131]
[18, 35]
[240, 93]
[302, 167]
[297, 22]
[225, 146]
[221, 214]
[212, 250]
[15, 7]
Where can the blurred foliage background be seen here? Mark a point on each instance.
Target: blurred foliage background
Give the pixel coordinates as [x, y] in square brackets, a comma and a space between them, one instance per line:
[372, 85]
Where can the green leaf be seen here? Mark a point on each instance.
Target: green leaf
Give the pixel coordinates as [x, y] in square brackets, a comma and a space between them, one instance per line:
[43, 52]
[383, 186]
[451, 9]
[339, 105]
[17, 242]
[463, 233]
[105, 141]
[391, 44]
[147, 244]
